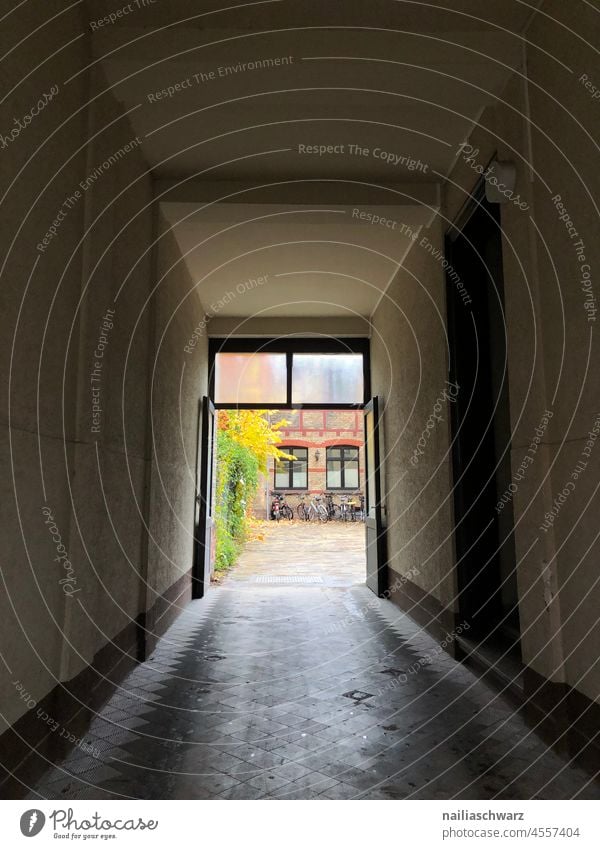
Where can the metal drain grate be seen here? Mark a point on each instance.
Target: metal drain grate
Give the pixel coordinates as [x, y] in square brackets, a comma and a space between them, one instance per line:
[287, 579]
[357, 696]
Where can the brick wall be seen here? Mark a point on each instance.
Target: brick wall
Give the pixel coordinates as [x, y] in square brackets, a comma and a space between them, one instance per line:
[315, 430]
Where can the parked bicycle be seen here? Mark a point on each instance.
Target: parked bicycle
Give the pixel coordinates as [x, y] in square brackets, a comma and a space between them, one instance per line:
[352, 507]
[332, 507]
[315, 509]
[280, 509]
[345, 509]
[358, 503]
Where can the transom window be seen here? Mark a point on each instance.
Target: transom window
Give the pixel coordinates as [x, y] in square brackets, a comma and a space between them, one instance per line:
[342, 467]
[289, 373]
[292, 474]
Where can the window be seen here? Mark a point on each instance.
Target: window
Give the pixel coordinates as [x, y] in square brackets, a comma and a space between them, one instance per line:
[289, 372]
[342, 467]
[292, 474]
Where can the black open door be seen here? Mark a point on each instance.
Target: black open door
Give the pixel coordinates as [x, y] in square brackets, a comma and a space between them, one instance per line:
[481, 431]
[375, 530]
[204, 522]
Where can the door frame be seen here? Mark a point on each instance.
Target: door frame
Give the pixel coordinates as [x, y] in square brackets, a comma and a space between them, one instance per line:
[375, 531]
[290, 345]
[203, 498]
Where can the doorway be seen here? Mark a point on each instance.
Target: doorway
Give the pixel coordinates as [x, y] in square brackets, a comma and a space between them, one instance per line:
[309, 379]
[480, 426]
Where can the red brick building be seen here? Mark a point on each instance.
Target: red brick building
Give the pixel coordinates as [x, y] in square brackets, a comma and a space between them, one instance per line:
[328, 447]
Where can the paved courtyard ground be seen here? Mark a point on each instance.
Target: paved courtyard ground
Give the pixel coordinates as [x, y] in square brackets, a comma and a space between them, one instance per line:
[335, 552]
[292, 681]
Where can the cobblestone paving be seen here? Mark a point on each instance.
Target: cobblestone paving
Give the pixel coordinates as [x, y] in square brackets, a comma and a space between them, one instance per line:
[292, 689]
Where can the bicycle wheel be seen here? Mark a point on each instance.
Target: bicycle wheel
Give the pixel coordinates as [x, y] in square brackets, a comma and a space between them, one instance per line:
[287, 512]
[322, 514]
[336, 512]
[301, 511]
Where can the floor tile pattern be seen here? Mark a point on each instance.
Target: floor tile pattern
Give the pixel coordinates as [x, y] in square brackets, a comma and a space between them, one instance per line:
[287, 690]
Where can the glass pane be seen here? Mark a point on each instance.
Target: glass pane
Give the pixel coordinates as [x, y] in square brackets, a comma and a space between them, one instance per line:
[351, 476]
[299, 475]
[370, 459]
[333, 454]
[250, 379]
[282, 477]
[299, 467]
[327, 379]
[334, 474]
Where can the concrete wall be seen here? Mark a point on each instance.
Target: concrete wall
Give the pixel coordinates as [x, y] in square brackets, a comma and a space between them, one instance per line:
[75, 439]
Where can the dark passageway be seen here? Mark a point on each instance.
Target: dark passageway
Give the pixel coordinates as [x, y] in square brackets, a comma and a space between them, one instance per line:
[306, 690]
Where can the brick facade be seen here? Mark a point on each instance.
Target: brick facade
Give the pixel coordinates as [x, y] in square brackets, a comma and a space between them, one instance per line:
[316, 430]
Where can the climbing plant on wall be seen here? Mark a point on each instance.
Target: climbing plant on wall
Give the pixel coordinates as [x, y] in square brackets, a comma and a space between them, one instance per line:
[246, 441]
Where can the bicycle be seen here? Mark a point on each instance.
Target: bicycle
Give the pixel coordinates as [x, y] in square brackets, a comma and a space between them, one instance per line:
[279, 507]
[285, 509]
[345, 509]
[332, 507]
[313, 510]
[353, 507]
[357, 504]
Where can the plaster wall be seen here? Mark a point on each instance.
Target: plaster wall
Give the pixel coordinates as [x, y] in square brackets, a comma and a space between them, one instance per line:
[409, 374]
[91, 341]
[552, 358]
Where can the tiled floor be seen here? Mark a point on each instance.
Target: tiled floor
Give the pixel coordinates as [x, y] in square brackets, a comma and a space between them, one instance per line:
[302, 687]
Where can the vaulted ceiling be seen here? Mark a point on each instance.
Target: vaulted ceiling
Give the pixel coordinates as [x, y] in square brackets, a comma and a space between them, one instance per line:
[338, 106]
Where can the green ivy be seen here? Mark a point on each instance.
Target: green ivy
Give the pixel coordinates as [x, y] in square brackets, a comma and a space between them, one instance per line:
[237, 483]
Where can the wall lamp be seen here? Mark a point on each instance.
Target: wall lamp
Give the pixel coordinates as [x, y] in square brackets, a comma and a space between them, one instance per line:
[317, 455]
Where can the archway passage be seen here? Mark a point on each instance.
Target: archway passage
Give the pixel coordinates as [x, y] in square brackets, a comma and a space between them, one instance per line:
[273, 183]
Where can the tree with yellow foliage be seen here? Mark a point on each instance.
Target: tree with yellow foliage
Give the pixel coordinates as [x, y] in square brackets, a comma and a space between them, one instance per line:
[254, 430]
[246, 439]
